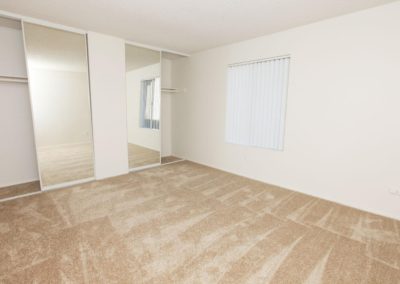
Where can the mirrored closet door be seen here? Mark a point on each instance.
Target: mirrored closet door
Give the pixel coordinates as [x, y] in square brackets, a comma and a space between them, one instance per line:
[143, 89]
[59, 90]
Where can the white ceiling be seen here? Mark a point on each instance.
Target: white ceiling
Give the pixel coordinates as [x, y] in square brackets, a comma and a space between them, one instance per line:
[186, 25]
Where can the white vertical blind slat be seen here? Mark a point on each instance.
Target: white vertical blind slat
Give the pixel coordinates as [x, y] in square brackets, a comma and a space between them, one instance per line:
[256, 103]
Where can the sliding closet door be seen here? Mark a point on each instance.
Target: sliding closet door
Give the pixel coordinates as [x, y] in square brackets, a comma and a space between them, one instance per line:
[143, 88]
[59, 90]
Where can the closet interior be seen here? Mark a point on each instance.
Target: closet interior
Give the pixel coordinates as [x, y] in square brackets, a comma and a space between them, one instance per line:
[18, 164]
[171, 93]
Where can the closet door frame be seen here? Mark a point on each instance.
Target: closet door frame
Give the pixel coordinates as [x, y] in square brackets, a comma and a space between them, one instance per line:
[160, 50]
[84, 34]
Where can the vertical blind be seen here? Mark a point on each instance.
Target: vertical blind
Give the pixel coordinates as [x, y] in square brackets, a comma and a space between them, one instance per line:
[256, 103]
[150, 103]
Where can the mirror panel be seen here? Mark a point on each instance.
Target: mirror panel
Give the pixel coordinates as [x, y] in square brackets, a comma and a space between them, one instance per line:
[60, 98]
[143, 88]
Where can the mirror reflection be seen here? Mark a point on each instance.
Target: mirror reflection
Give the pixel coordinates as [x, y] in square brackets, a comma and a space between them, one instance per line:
[143, 105]
[59, 90]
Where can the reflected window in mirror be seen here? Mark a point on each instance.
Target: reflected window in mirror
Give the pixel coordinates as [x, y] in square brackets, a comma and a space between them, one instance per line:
[150, 104]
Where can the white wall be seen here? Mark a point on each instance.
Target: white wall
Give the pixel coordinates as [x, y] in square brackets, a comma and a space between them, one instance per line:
[17, 151]
[61, 107]
[149, 138]
[107, 83]
[342, 127]
[12, 56]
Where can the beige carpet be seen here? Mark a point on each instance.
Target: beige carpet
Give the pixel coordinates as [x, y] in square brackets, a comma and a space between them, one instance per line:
[169, 159]
[186, 223]
[60, 164]
[65, 163]
[141, 156]
[19, 189]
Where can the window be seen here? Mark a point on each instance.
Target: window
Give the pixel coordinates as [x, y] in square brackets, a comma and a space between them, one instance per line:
[256, 103]
[150, 104]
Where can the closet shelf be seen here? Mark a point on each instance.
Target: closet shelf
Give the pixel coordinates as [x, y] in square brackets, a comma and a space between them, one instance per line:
[13, 79]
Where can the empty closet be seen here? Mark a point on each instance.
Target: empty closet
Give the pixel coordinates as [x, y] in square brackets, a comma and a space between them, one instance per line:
[45, 108]
[171, 93]
[18, 164]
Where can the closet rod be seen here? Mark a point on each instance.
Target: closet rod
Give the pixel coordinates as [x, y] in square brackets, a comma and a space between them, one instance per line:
[13, 79]
[169, 90]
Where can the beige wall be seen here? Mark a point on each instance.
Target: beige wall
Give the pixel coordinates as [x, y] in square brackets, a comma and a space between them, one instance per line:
[342, 127]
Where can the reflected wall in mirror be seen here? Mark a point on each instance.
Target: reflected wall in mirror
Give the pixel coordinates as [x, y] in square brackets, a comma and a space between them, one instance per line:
[143, 88]
[59, 91]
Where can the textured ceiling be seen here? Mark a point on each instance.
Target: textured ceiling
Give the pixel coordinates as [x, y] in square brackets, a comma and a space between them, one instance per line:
[186, 25]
